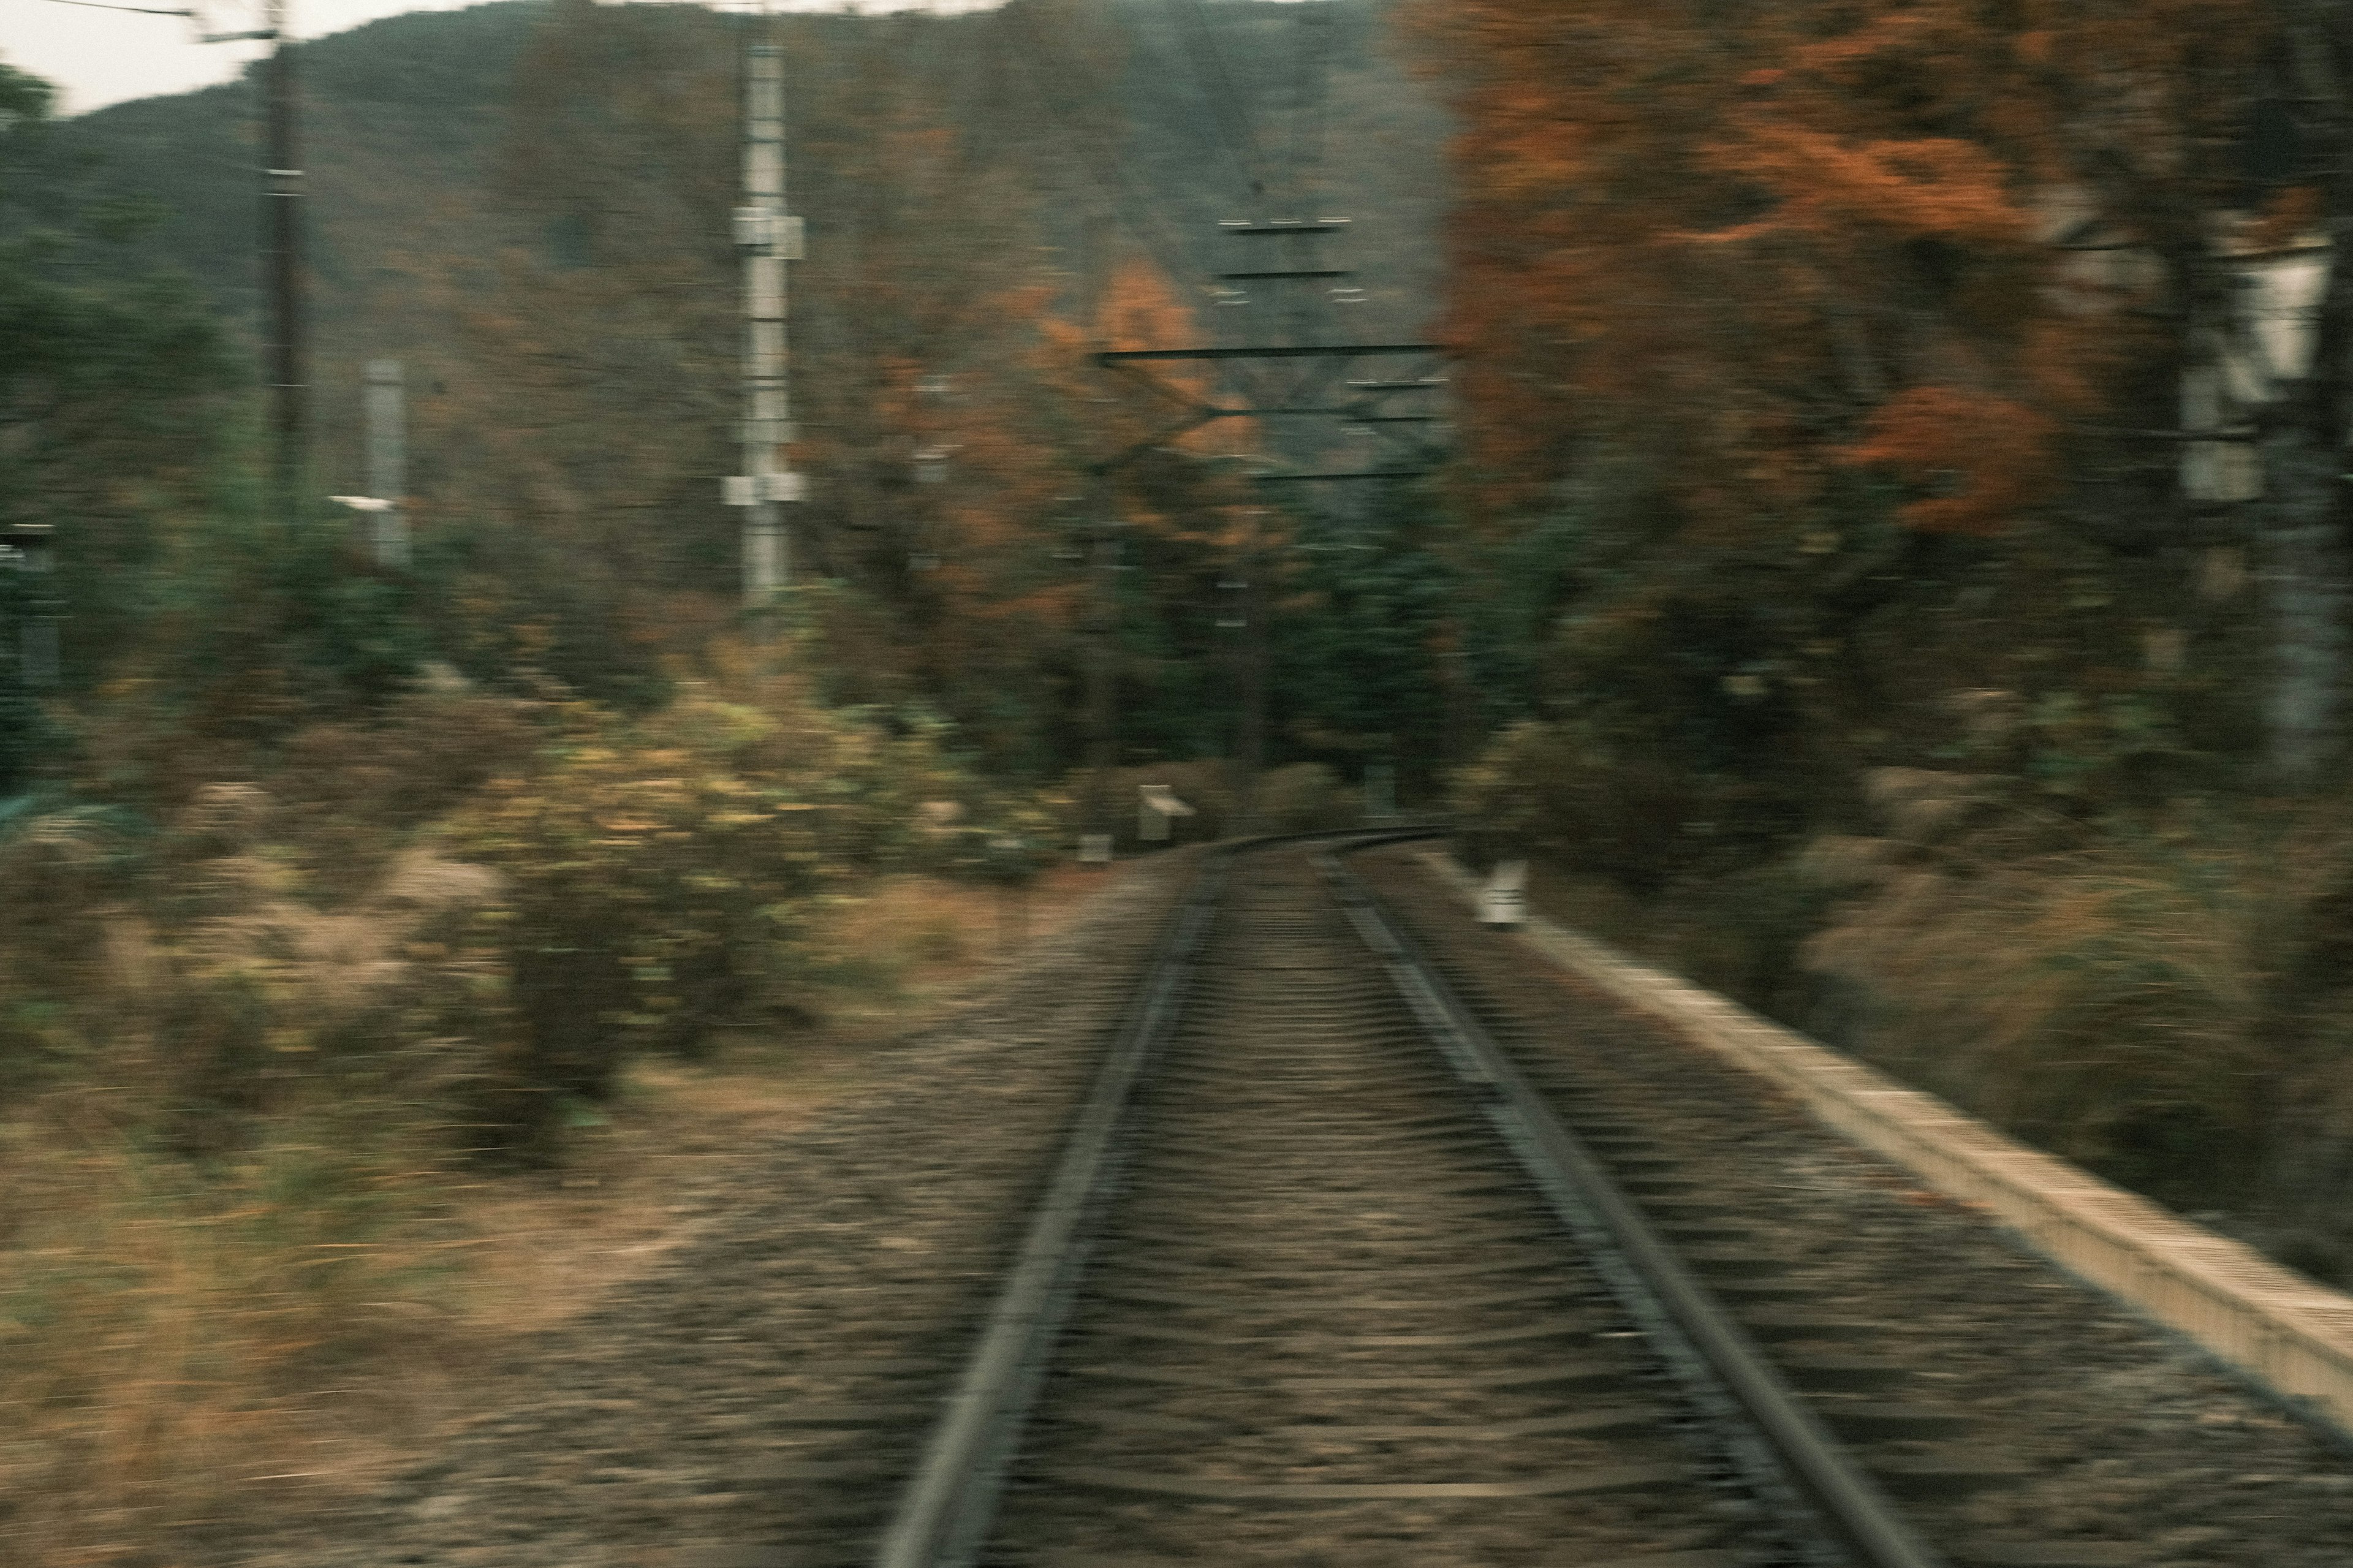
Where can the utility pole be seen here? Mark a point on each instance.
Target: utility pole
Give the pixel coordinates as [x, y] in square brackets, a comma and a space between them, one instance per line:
[283, 357]
[1095, 808]
[767, 240]
[387, 461]
[29, 549]
[1250, 738]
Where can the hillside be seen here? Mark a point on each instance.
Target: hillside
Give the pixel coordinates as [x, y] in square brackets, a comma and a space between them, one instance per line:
[413, 136]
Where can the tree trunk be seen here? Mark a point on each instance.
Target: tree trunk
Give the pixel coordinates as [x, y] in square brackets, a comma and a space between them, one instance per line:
[2303, 591]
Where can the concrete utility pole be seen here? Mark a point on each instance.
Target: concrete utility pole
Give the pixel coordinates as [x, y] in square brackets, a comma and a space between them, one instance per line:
[768, 239]
[1250, 730]
[387, 462]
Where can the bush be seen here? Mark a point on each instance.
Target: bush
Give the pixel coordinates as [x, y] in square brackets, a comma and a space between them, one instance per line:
[2107, 999]
[657, 876]
[480, 904]
[1305, 797]
[647, 895]
[1553, 790]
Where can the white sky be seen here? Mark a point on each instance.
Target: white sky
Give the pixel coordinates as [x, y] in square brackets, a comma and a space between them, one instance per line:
[97, 57]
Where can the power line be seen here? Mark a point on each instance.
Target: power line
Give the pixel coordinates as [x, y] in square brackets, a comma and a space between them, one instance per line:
[1109, 178]
[1314, 93]
[1199, 114]
[1233, 116]
[100, 6]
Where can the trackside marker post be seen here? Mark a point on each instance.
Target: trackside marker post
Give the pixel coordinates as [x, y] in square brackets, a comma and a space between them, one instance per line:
[1503, 901]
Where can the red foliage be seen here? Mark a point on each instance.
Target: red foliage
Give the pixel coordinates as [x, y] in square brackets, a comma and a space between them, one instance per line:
[1758, 241]
[1993, 455]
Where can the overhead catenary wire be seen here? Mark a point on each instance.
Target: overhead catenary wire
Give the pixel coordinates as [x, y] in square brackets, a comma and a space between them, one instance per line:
[141, 10]
[1201, 108]
[1102, 168]
[1232, 113]
[1168, 76]
[1311, 109]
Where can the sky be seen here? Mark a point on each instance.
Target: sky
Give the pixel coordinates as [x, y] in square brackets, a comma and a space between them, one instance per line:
[99, 57]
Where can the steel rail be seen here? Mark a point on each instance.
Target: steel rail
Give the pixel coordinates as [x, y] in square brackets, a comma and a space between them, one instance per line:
[945, 1509]
[1712, 1354]
[944, 1513]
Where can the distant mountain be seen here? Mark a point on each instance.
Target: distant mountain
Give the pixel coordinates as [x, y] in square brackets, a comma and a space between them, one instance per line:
[397, 115]
[493, 159]
[405, 121]
[528, 204]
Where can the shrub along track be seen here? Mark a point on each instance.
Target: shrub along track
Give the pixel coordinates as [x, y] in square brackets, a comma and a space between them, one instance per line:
[2025, 1418]
[752, 1398]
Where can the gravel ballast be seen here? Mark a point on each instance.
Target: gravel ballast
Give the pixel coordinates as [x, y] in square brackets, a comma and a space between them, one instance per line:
[753, 1397]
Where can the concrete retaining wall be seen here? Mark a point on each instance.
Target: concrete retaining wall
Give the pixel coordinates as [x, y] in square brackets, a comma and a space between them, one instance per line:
[2291, 1334]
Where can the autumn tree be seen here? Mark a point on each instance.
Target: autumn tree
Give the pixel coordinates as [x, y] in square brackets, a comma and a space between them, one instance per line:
[1844, 331]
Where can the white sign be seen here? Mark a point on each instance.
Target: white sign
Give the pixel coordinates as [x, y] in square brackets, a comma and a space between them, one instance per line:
[1156, 809]
[748, 489]
[1503, 901]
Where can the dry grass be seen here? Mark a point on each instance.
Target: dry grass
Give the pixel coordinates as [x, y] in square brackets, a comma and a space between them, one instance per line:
[2158, 997]
[1735, 935]
[184, 1347]
[2093, 998]
[906, 944]
[173, 1339]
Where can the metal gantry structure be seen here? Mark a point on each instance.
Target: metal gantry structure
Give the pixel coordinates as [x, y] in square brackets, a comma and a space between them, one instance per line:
[1368, 387]
[1295, 376]
[1296, 370]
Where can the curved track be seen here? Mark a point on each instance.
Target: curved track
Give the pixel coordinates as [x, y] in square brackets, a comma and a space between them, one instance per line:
[1320, 1278]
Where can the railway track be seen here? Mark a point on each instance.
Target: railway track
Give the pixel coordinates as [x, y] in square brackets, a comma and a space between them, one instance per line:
[1322, 1278]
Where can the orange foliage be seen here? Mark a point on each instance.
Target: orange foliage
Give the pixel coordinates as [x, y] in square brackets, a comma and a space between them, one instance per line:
[2289, 216]
[1140, 310]
[1925, 185]
[1758, 241]
[1993, 455]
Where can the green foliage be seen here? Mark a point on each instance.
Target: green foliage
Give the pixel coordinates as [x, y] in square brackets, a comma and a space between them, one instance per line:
[1360, 639]
[657, 877]
[1512, 590]
[1567, 791]
[2085, 750]
[112, 382]
[1305, 797]
[477, 907]
[581, 540]
[648, 893]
